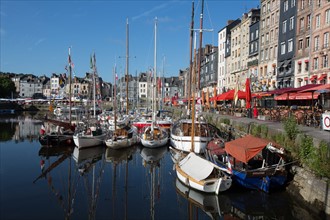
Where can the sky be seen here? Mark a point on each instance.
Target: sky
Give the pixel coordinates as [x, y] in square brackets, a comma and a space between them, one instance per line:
[36, 35]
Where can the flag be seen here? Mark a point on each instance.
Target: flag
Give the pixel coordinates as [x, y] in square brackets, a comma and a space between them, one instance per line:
[91, 63]
[116, 76]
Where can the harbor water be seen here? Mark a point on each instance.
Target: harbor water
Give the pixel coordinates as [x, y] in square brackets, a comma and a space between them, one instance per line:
[98, 183]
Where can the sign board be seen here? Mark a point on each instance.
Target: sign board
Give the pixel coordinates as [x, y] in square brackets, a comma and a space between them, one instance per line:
[326, 121]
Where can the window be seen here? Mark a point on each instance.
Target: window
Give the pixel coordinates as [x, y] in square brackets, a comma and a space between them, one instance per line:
[316, 63]
[293, 3]
[308, 42]
[252, 36]
[327, 16]
[308, 21]
[316, 43]
[257, 33]
[325, 61]
[291, 27]
[290, 45]
[267, 37]
[299, 67]
[326, 40]
[285, 5]
[300, 44]
[302, 4]
[301, 23]
[266, 54]
[284, 27]
[317, 21]
[282, 48]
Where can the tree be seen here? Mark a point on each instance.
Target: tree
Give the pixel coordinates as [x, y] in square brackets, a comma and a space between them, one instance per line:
[7, 87]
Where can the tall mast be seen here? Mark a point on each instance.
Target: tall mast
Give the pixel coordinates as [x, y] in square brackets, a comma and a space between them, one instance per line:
[94, 85]
[155, 73]
[193, 99]
[70, 75]
[191, 53]
[115, 99]
[200, 46]
[127, 56]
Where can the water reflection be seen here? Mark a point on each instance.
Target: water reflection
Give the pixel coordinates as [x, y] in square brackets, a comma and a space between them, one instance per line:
[151, 161]
[100, 183]
[90, 163]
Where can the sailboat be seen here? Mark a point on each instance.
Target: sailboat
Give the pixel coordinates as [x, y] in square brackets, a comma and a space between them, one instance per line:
[181, 136]
[154, 136]
[195, 171]
[91, 134]
[127, 135]
[63, 134]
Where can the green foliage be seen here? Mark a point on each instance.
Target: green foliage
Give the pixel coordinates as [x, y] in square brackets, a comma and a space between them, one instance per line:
[291, 128]
[306, 149]
[225, 121]
[321, 163]
[255, 130]
[7, 87]
[263, 131]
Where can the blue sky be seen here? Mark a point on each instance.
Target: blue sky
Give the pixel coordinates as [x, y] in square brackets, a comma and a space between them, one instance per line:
[36, 35]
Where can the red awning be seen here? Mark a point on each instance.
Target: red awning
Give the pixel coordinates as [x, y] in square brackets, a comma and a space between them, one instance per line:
[319, 88]
[322, 77]
[245, 148]
[314, 77]
[305, 78]
[230, 95]
[284, 96]
[306, 96]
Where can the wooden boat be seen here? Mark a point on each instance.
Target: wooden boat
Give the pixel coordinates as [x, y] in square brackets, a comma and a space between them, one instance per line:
[181, 131]
[123, 137]
[154, 136]
[202, 175]
[91, 136]
[256, 163]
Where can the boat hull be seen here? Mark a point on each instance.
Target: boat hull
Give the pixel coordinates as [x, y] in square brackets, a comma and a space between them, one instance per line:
[85, 141]
[121, 143]
[55, 140]
[215, 185]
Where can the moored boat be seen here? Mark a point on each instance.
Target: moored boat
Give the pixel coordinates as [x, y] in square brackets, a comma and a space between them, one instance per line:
[255, 163]
[200, 174]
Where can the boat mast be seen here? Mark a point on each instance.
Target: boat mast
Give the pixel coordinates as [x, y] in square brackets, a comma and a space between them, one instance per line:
[115, 99]
[127, 56]
[193, 99]
[154, 77]
[191, 52]
[94, 84]
[200, 46]
[70, 75]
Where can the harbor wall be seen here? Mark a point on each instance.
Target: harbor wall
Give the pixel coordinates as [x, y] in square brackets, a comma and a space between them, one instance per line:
[305, 186]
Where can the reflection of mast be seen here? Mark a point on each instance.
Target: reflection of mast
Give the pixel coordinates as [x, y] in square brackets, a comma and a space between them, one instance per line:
[71, 194]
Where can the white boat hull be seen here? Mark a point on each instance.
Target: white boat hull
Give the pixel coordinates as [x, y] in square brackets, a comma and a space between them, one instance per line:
[154, 143]
[183, 143]
[84, 141]
[122, 143]
[206, 184]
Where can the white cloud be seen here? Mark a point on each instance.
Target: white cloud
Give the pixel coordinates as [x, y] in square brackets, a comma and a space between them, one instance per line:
[39, 41]
[147, 13]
